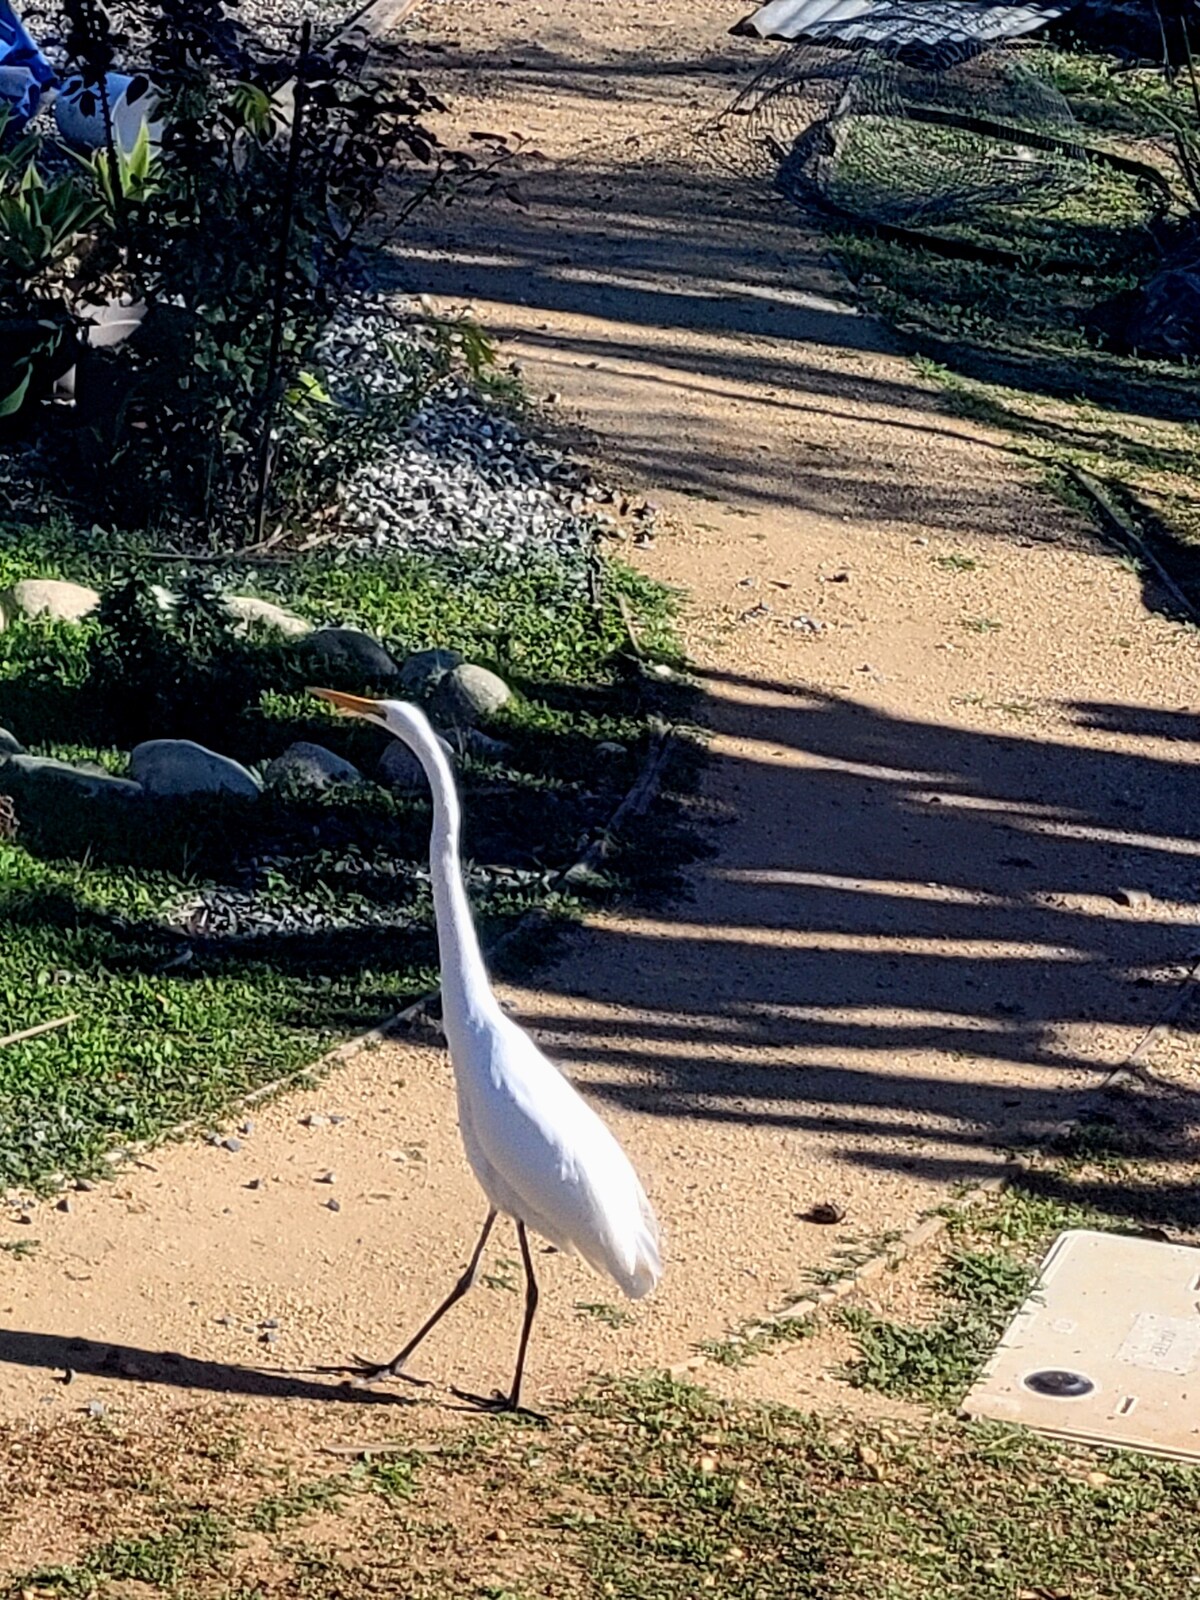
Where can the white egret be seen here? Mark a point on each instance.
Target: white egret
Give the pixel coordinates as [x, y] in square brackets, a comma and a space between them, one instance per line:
[541, 1154]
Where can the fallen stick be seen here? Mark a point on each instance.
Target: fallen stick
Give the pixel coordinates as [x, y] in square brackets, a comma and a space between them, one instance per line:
[1112, 513]
[39, 1028]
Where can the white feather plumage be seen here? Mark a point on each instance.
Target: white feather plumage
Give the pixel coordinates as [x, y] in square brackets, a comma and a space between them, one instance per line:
[541, 1154]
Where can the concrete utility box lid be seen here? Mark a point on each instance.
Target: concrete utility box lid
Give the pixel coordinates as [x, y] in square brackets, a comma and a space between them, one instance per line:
[1106, 1349]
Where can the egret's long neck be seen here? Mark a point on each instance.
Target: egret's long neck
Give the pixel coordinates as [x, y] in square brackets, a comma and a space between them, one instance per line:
[466, 991]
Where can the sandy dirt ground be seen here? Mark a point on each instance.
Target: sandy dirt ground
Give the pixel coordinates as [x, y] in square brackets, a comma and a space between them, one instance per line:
[952, 777]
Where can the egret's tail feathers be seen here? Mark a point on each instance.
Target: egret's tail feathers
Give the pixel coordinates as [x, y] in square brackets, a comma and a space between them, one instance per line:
[647, 1270]
[637, 1266]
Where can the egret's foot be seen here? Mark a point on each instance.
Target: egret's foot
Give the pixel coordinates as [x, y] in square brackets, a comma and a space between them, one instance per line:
[363, 1374]
[500, 1405]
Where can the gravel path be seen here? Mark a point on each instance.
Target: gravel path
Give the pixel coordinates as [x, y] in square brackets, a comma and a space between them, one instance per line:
[951, 802]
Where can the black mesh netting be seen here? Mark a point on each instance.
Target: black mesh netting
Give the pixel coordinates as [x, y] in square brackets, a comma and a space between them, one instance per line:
[982, 146]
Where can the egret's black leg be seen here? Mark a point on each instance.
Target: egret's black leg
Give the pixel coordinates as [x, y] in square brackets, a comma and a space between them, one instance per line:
[395, 1368]
[512, 1402]
[531, 1305]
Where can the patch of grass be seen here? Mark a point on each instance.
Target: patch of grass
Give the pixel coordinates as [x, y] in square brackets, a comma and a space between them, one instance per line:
[209, 949]
[1010, 708]
[506, 1277]
[696, 1495]
[997, 1244]
[1006, 345]
[600, 1311]
[658, 1490]
[957, 561]
[851, 1252]
[277, 1511]
[1022, 1221]
[937, 1362]
[21, 1249]
[753, 1339]
[193, 1548]
[394, 1476]
[981, 624]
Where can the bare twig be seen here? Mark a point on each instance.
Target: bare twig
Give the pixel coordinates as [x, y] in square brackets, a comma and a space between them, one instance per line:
[39, 1028]
[374, 18]
[635, 644]
[397, 1447]
[1118, 519]
[274, 354]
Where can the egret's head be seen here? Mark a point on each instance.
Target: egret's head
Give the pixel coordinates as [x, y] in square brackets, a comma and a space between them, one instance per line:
[400, 719]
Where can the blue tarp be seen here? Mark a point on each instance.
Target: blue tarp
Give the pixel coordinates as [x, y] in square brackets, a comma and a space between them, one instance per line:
[24, 70]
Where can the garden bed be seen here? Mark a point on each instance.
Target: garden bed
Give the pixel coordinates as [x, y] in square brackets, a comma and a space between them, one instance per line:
[208, 943]
[278, 479]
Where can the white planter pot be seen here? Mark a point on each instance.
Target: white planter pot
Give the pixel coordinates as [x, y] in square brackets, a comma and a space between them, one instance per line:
[132, 102]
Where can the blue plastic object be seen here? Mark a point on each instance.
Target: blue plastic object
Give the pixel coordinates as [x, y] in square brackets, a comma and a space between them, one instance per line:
[24, 70]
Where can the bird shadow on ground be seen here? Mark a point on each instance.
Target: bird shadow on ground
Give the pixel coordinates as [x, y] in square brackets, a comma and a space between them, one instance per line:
[56, 1353]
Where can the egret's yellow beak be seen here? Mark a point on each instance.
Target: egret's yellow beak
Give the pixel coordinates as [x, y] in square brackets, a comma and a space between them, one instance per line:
[355, 704]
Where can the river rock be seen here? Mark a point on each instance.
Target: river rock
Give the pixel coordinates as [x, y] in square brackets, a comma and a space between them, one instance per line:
[399, 769]
[352, 650]
[52, 598]
[310, 766]
[180, 767]
[248, 611]
[468, 693]
[423, 670]
[484, 748]
[49, 783]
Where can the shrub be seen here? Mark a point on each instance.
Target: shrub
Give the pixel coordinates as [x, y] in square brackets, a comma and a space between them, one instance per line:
[236, 234]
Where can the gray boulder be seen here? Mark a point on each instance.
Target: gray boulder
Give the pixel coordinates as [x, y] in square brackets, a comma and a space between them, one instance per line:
[247, 611]
[423, 670]
[10, 745]
[351, 650]
[310, 766]
[57, 783]
[180, 767]
[51, 598]
[484, 748]
[468, 693]
[399, 769]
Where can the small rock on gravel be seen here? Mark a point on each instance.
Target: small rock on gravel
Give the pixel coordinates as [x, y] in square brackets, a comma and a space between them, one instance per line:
[826, 1212]
[352, 650]
[332, 1205]
[1135, 899]
[176, 767]
[470, 692]
[51, 598]
[422, 671]
[310, 766]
